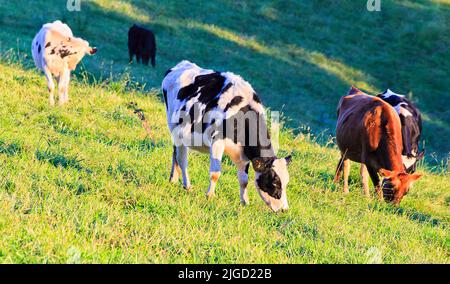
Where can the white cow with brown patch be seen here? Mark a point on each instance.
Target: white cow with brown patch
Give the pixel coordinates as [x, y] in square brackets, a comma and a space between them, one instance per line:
[219, 113]
[57, 52]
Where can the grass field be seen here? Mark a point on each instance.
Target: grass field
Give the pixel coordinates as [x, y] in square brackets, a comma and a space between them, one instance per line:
[82, 183]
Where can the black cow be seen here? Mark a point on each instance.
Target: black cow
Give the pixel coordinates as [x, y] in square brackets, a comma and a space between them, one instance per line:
[411, 121]
[142, 43]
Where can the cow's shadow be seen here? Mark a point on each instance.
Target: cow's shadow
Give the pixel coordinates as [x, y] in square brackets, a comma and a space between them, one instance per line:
[410, 213]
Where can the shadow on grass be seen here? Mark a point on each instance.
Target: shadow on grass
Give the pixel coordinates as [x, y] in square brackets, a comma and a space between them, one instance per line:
[11, 149]
[314, 51]
[59, 160]
[411, 214]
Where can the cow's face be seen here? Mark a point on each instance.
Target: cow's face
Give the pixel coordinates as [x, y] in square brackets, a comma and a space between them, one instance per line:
[271, 179]
[78, 48]
[396, 185]
[87, 48]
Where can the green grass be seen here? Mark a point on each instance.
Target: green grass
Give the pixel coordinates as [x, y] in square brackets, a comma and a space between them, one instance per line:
[301, 56]
[84, 184]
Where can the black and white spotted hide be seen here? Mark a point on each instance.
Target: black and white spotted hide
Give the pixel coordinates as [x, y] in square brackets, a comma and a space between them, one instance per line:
[217, 113]
[411, 121]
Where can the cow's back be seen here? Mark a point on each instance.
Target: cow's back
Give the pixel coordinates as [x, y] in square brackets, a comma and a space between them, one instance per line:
[204, 96]
[41, 39]
[365, 122]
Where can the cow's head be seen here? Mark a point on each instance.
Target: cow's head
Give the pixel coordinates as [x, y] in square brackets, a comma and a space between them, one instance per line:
[77, 49]
[86, 48]
[396, 185]
[271, 179]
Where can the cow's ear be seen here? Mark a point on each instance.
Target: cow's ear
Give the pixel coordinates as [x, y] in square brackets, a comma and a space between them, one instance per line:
[386, 173]
[288, 159]
[414, 177]
[259, 165]
[420, 156]
[262, 164]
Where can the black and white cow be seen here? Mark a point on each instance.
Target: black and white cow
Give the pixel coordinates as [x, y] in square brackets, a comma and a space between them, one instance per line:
[57, 52]
[411, 121]
[217, 113]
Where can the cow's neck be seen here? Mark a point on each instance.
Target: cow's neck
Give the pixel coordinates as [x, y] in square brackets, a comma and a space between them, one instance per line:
[391, 158]
[263, 147]
[253, 152]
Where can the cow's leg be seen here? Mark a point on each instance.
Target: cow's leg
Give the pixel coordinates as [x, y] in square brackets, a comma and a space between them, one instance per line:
[346, 175]
[62, 87]
[67, 83]
[365, 180]
[130, 52]
[182, 160]
[50, 85]
[153, 56]
[243, 181]
[153, 60]
[376, 181]
[138, 56]
[215, 165]
[145, 59]
[176, 170]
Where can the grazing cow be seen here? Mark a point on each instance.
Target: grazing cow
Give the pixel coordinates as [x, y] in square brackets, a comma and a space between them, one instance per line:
[411, 121]
[368, 131]
[217, 113]
[142, 43]
[57, 52]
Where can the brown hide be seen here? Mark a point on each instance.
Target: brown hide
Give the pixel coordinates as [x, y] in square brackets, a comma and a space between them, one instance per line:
[369, 131]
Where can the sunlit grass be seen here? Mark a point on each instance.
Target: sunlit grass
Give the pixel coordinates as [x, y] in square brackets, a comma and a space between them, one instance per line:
[124, 7]
[295, 53]
[84, 184]
[444, 2]
[345, 73]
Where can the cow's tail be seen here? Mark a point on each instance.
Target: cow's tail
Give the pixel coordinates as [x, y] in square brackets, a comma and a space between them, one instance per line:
[339, 167]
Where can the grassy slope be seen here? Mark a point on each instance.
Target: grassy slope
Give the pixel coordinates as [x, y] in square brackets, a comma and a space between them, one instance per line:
[301, 56]
[83, 180]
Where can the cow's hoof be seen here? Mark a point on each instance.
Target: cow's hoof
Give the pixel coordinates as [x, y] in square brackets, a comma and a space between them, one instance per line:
[210, 195]
[245, 202]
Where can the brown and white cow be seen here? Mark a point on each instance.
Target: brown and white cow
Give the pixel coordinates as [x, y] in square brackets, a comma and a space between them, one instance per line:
[57, 52]
[369, 131]
[219, 112]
